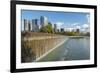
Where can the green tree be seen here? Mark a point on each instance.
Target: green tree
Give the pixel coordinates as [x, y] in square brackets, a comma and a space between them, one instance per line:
[47, 28]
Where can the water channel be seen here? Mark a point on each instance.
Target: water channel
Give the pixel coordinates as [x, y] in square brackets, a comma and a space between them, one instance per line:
[75, 48]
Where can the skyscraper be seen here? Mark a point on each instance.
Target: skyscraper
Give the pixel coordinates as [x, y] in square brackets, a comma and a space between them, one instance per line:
[25, 25]
[35, 26]
[29, 25]
[55, 27]
[43, 21]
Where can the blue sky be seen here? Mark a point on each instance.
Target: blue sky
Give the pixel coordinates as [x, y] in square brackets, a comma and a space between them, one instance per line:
[62, 19]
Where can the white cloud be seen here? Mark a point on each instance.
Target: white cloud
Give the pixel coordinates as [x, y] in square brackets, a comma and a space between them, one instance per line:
[59, 24]
[77, 27]
[69, 29]
[82, 30]
[73, 27]
[85, 30]
[74, 24]
[85, 26]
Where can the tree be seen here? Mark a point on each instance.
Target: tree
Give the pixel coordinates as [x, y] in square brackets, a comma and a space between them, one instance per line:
[47, 28]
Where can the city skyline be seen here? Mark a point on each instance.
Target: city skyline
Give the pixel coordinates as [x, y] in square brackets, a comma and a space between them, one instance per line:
[66, 20]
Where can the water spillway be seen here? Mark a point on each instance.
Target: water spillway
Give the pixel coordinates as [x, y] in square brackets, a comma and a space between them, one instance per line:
[35, 45]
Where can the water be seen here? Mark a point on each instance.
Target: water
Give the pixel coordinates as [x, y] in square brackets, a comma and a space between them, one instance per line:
[72, 49]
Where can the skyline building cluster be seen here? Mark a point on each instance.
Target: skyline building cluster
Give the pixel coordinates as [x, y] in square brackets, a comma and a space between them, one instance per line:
[31, 25]
[34, 25]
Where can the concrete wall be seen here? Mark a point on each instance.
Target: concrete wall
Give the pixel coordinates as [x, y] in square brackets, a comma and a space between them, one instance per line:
[34, 47]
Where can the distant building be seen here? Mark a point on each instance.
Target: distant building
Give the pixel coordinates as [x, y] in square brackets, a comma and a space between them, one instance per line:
[29, 25]
[58, 30]
[62, 30]
[77, 30]
[35, 26]
[26, 25]
[55, 27]
[43, 21]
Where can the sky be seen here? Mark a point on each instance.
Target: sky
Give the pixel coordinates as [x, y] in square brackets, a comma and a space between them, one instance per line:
[66, 20]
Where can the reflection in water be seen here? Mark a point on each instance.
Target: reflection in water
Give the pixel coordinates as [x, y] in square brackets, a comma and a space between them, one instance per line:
[72, 49]
[79, 49]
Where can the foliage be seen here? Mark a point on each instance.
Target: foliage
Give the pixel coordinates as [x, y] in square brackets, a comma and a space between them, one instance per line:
[47, 28]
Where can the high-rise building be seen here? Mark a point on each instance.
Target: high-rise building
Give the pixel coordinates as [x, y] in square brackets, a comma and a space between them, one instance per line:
[43, 21]
[35, 26]
[55, 27]
[25, 25]
[29, 25]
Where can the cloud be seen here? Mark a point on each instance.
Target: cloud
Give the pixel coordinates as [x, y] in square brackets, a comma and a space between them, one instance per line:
[85, 26]
[82, 27]
[82, 30]
[74, 24]
[85, 30]
[77, 27]
[69, 29]
[59, 23]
